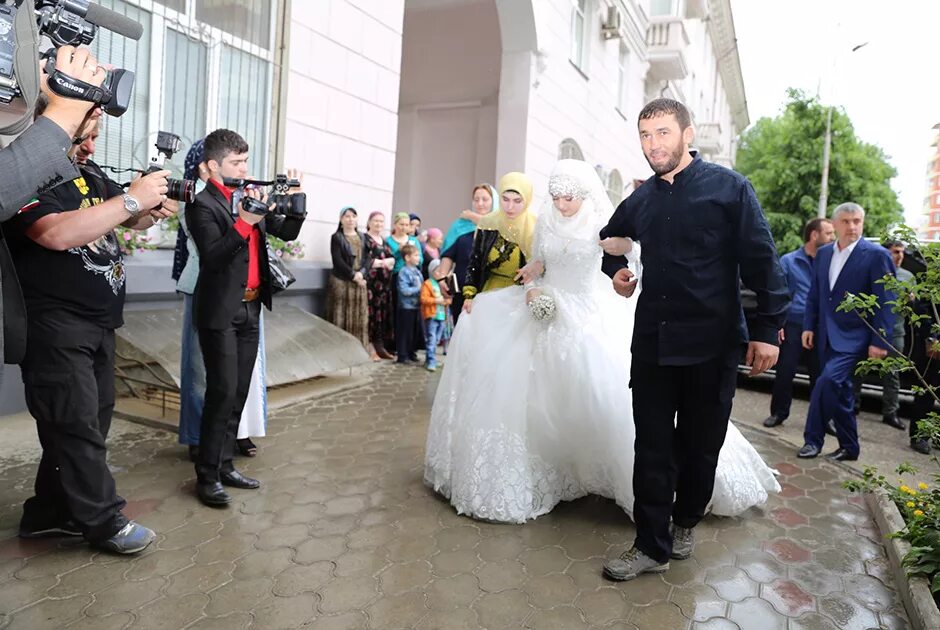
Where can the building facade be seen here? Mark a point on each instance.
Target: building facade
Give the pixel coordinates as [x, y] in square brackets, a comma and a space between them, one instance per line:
[931, 226]
[404, 105]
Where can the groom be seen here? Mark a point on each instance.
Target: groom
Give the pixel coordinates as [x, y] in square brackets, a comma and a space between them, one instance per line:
[701, 229]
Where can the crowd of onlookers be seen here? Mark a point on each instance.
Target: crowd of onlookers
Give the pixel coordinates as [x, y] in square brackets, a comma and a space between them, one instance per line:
[398, 293]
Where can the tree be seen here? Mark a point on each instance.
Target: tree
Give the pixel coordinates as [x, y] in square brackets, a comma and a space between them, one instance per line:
[783, 159]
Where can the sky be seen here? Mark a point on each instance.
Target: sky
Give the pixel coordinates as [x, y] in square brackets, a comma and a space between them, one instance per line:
[890, 88]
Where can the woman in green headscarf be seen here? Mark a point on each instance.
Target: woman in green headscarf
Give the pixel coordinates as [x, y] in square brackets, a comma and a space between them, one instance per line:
[458, 244]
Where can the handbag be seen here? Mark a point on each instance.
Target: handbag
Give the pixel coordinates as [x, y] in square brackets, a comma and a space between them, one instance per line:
[281, 277]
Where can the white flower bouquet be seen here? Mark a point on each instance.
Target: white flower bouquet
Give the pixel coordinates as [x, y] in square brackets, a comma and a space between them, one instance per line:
[542, 307]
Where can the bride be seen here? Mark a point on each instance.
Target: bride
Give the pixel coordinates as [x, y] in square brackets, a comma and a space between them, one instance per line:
[531, 412]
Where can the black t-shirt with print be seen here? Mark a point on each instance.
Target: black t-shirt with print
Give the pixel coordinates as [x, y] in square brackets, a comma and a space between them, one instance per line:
[87, 281]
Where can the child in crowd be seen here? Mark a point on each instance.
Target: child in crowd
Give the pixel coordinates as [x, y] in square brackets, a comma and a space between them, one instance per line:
[433, 312]
[409, 288]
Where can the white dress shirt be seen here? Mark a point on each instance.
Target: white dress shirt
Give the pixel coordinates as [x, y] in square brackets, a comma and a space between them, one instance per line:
[839, 256]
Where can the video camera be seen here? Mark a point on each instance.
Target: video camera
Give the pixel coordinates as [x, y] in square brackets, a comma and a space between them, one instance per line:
[284, 203]
[68, 23]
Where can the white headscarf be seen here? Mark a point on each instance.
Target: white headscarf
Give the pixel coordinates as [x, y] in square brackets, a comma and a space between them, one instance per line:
[579, 180]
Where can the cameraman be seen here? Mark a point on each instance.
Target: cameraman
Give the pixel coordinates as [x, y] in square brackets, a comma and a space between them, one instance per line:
[72, 274]
[234, 280]
[38, 159]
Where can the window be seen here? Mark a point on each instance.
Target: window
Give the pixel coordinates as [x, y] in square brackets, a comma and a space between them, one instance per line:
[580, 32]
[200, 65]
[664, 7]
[615, 187]
[623, 76]
[248, 19]
[245, 105]
[569, 150]
[184, 100]
[123, 142]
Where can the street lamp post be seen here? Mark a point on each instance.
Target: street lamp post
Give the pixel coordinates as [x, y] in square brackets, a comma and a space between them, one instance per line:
[827, 148]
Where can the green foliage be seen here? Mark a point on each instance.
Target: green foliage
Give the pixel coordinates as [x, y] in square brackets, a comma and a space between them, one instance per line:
[783, 159]
[920, 506]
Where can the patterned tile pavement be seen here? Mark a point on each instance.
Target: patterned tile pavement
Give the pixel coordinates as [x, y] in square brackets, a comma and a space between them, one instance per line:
[344, 535]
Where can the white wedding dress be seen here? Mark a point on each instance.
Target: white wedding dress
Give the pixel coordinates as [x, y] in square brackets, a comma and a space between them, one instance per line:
[529, 413]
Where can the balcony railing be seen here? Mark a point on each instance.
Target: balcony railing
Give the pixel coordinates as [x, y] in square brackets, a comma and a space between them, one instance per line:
[666, 44]
[708, 137]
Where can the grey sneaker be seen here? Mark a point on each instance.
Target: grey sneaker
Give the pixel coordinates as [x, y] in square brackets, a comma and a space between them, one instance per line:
[133, 538]
[683, 541]
[631, 564]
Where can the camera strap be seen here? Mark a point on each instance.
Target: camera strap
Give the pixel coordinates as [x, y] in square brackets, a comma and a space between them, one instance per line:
[70, 87]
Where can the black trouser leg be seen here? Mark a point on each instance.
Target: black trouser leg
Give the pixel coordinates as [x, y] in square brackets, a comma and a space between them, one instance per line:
[655, 403]
[229, 356]
[705, 396]
[790, 352]
[456, 307]
[67, 361]
[930, 368]
[405, 322]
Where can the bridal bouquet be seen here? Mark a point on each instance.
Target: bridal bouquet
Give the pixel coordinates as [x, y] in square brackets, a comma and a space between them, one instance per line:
[542, 307]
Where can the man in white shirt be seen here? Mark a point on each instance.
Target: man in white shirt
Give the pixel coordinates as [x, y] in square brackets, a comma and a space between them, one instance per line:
[850, 265]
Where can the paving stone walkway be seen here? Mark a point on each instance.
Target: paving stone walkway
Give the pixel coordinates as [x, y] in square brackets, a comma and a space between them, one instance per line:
[344, 535]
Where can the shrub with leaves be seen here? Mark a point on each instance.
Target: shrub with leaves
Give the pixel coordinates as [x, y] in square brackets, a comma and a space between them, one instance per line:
[916, 303]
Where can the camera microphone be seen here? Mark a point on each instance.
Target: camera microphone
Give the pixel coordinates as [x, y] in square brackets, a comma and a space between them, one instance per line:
[112, 20]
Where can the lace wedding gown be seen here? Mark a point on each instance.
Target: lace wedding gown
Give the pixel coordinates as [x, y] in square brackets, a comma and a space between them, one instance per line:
[529, 413]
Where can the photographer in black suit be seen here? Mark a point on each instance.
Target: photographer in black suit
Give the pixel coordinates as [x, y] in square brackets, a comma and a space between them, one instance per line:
[234, 280]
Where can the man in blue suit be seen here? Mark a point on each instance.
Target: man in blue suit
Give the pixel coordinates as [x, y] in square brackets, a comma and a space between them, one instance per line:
[850, 265]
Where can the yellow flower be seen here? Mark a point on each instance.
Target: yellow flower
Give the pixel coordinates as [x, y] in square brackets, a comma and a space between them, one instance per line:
[918, 512]
[911, 504]
[904, 489]
[922, 485]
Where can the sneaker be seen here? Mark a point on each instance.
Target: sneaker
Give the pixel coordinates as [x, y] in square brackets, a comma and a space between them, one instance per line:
[131, 539]
[65, 528]
[919, 445]
[631, 564]
[431, 367]
[683, 541]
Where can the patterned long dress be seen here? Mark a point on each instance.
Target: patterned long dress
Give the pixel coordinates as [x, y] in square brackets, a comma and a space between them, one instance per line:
[379, 285]
[347, 305]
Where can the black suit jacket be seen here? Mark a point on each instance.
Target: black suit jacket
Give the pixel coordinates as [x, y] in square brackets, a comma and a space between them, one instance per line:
[223, 257]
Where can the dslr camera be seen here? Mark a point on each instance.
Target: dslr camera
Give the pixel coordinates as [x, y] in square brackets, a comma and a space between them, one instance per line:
[177, 189]
[280, 201]
[67, 23]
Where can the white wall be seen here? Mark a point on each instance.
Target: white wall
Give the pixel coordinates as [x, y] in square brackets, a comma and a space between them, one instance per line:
[565, 103]
[342, 108]
[448, 108]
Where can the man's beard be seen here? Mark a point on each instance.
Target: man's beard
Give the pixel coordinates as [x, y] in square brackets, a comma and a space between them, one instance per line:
[674, 158]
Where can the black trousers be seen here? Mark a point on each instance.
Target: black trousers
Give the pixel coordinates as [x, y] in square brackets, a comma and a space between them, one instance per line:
[229, 355]
[791, 350]
[681, 416]
[930, 368]
[406, 322]
[68, 374]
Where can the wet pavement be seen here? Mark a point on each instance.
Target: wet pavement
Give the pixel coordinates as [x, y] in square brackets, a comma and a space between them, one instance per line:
[343, 534]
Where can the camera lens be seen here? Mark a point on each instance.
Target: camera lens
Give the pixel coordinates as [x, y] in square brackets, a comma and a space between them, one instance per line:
[181, 190]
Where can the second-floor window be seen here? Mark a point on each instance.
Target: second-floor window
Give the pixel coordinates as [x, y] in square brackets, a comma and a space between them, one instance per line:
[623, 77]
[580, 29]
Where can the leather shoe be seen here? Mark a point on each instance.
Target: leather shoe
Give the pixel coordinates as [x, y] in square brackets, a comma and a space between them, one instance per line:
[213, 494]
[773, 420]
[237, 480]
[893, 421]
[831, 428]
[841, 455]
[808, 451]
[921, 446]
